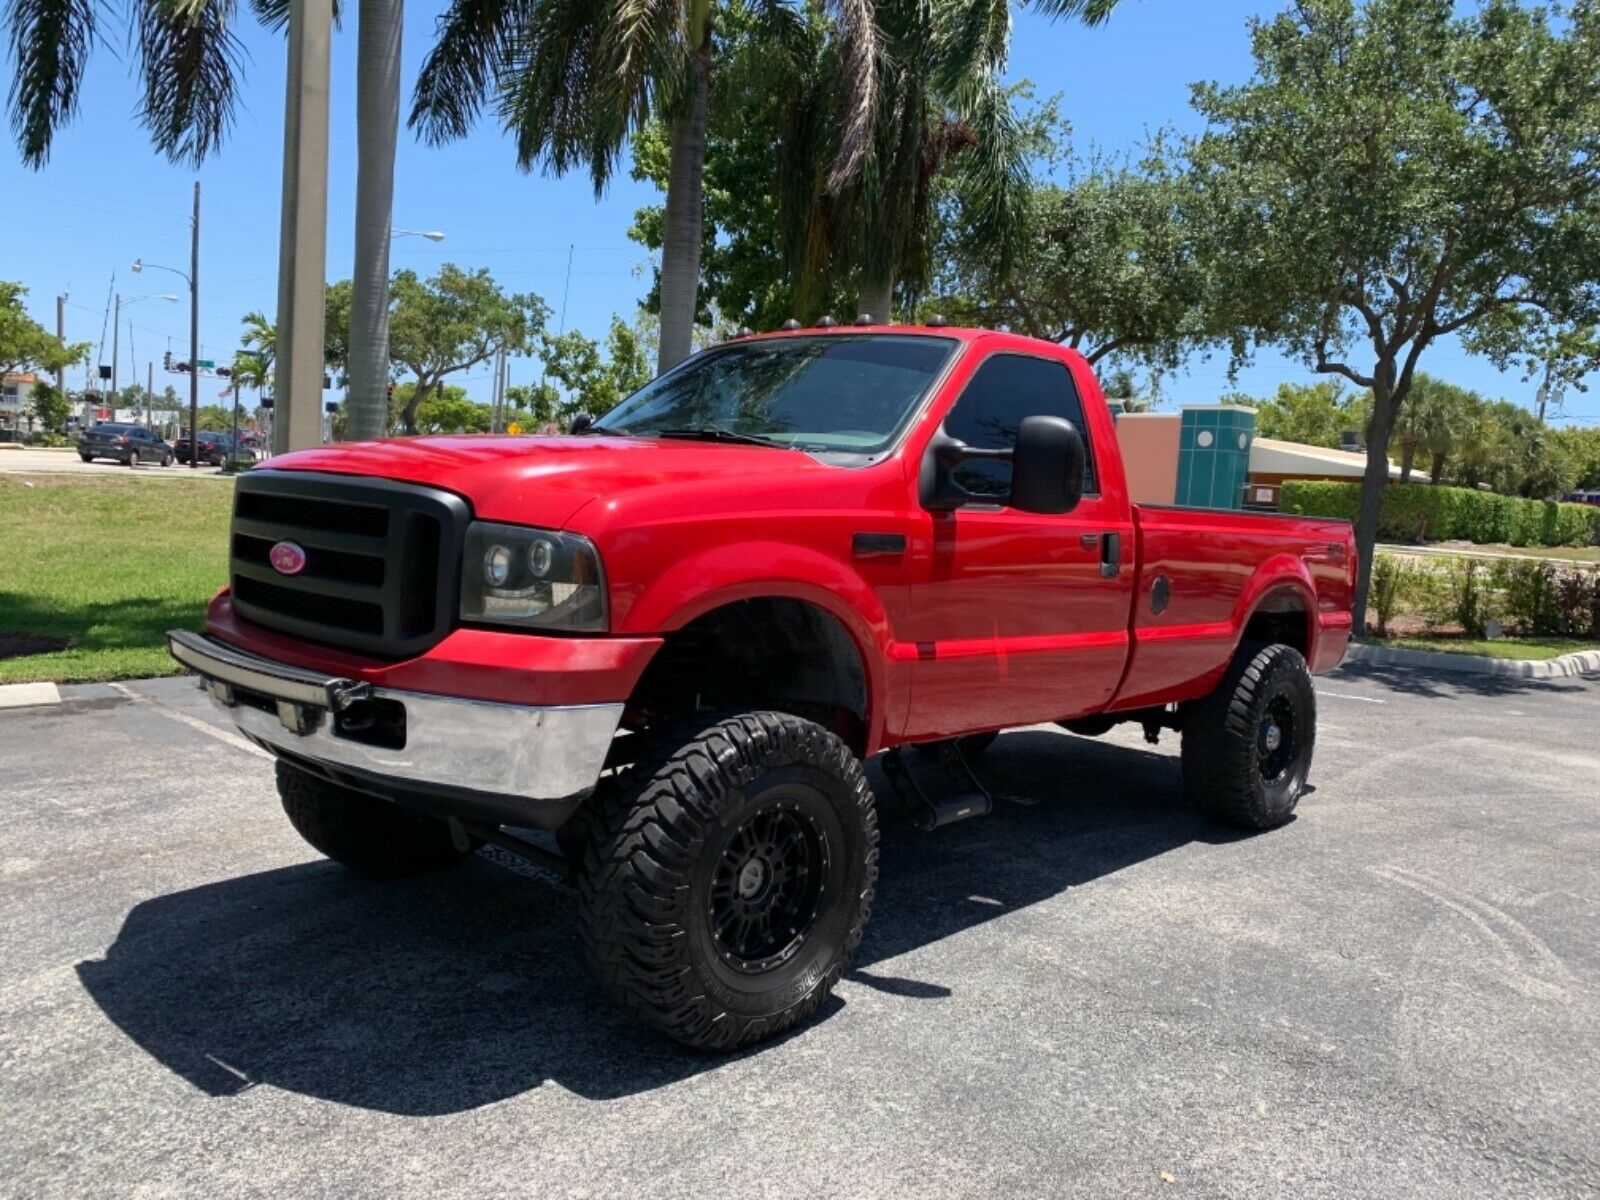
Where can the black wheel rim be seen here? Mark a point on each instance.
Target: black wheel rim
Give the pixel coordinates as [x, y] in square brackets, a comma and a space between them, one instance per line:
[1278, 739]
[767, 891]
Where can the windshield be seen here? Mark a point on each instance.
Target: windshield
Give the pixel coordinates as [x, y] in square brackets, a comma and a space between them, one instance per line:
[833, 393]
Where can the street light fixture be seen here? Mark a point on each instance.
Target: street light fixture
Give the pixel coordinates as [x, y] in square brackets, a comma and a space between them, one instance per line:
[433, 235]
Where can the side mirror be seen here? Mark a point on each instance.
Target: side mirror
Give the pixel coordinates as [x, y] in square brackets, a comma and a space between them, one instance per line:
[1047, 466]
[1046, 469]
[580, 422]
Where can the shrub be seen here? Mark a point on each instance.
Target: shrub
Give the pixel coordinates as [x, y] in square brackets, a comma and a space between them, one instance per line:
[1412, 512]
[1526, 589]
[1393, 581]
[1466, 585]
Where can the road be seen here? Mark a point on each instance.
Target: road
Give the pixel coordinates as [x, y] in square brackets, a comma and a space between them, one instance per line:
[67, 462]
[1091, 993]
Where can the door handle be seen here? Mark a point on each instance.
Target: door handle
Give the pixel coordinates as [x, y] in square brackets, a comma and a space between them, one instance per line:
[1110, 556]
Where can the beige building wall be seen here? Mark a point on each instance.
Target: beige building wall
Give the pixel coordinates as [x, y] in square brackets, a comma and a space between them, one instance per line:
[1149, 443]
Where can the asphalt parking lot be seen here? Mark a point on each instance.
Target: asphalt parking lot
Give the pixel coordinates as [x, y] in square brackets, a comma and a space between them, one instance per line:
[1090, 993]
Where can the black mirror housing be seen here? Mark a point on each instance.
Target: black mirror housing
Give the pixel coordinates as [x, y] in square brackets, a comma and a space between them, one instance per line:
[1047, 466]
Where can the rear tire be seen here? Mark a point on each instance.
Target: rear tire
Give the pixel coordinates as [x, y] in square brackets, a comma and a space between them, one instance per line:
[87, 457]
[371, 836]
[725, 888]
[1247, 746]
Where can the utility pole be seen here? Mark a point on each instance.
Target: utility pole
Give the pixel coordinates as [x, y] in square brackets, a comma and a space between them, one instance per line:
[116, 326]
[303, 233]
[61, 335]
[194, 335]
[149, 395]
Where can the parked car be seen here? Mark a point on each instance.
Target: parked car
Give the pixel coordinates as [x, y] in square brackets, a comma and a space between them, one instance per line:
[215, 448]
[673, 639]
[128, 444]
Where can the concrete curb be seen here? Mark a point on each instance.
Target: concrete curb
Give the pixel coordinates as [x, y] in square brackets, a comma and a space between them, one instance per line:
[1568, 666]
[27, 695]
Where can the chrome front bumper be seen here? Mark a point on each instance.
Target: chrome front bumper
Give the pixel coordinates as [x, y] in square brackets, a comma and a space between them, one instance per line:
[514, 758]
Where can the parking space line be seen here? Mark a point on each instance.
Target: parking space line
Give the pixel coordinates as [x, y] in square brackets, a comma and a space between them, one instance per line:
[1348, 696]
[205, 727]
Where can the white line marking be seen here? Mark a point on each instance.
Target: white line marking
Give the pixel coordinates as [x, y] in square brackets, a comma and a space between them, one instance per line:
[205, 727]
[1348, 696]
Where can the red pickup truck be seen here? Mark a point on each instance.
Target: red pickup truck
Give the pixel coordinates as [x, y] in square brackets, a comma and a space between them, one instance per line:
[672, 638]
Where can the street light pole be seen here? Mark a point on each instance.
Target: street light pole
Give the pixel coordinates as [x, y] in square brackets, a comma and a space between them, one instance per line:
[194, 335]
[116, 326]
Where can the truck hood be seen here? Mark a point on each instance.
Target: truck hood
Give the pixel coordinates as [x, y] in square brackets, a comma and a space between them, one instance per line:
[543, 480]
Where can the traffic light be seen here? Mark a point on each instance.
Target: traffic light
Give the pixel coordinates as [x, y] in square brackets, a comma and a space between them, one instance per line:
[166, 361]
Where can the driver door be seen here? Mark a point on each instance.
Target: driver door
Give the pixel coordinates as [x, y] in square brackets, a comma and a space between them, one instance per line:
[1017, 618]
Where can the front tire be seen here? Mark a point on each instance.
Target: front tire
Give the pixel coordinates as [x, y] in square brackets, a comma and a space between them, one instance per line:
[1247, 746]
[371, 836]
[87, 457]
[725, 889]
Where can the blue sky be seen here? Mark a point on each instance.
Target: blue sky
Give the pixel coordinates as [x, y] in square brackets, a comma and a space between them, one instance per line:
[105, 198]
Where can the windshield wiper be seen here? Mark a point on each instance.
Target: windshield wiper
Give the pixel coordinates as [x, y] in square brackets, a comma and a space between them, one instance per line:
[716, 433]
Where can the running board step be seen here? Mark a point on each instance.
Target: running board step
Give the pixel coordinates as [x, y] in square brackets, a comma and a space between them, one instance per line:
[937, 785]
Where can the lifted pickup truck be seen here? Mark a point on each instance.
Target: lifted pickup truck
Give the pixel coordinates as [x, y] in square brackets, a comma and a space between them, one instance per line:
[672, 638]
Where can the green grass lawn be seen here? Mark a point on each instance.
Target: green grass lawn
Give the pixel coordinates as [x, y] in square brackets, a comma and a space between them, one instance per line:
[111, 564]
[1507, 647]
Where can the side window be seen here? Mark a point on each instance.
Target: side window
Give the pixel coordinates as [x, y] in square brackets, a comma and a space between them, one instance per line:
[1005, 389]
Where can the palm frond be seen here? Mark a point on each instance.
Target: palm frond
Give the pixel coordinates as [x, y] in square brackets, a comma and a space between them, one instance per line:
[50, 45]
[472, 43]
[994, 168]
[274, 14]
[189, 59]
[550, 90]
[859, 53]
[1090, 12]
[969, 37]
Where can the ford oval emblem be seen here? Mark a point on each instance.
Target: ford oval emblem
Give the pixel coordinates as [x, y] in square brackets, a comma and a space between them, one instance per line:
[287, 558]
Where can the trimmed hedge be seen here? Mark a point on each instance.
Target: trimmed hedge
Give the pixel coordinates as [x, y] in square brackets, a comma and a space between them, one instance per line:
[1413, 512]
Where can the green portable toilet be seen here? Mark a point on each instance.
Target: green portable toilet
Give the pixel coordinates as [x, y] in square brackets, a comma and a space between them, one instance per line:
[1214, 455]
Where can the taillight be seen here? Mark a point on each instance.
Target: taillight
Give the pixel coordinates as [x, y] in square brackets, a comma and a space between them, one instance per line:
[122, 441]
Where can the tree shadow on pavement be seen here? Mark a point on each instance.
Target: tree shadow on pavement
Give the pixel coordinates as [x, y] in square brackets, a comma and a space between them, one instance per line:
[1443, 685]
[440, 995]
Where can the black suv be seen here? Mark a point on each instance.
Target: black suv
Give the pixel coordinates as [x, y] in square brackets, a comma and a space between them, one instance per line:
[128, 444]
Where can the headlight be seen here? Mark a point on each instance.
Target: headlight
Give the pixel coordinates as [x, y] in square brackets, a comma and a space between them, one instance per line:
[532, 577]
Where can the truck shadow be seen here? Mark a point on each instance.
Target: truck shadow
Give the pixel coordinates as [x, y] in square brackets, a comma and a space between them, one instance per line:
[440, 995]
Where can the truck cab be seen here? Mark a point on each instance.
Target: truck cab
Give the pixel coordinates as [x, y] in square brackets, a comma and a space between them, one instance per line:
[671, 639]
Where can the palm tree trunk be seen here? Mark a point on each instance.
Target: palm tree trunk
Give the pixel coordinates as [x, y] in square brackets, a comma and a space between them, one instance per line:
[377, 127]
[684, 223]
[1436, 472]
[876, 298]
[1408, 458]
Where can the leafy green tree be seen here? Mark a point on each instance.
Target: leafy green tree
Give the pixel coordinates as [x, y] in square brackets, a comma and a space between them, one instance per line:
[1106, 265]
[1313, 414]
[573, 81]
[26, 345]
[50, 407]
[1394, 174]
[452, 322]
[596, 382]
[1582, 449]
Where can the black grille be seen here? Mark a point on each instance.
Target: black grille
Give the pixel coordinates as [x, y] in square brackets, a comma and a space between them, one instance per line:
[381, 567]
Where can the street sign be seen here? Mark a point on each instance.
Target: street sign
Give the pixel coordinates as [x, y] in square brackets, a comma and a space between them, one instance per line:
[206, 364]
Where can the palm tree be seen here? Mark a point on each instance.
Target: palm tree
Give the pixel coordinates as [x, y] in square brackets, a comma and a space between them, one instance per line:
[188, 60]
[573, 79]
[944, 108]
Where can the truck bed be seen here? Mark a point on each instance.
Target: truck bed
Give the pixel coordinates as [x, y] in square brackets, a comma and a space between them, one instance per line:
[1207, 564]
